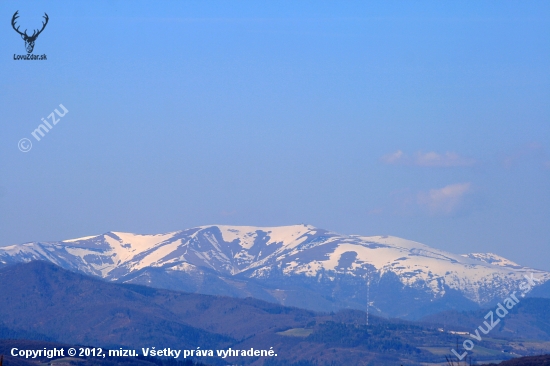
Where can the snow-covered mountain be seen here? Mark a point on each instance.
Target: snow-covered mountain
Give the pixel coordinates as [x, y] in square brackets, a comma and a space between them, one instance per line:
[295, 265]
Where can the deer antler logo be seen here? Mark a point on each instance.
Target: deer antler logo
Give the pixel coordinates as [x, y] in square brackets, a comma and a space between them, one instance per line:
[29, 40]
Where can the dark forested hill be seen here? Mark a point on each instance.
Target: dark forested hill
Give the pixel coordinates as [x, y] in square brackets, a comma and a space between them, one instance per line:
[542, 360]
[529, 319]
[41, 298]
[42, 302]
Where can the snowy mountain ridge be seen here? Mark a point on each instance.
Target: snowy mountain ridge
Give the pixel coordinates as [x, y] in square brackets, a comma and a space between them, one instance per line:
[279, 263]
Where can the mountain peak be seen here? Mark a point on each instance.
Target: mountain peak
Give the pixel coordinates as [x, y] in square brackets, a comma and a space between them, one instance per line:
[267, 262]
[492, 259]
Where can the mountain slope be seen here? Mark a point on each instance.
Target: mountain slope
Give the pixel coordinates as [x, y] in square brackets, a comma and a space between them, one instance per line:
[296, 265]
[41, 298]
[529, 320]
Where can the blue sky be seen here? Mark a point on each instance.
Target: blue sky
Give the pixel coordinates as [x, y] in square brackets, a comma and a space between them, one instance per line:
[426, 120]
